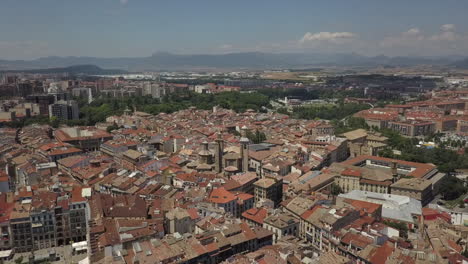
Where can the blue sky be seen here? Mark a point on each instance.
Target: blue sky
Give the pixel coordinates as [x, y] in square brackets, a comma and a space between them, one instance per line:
[126, 28]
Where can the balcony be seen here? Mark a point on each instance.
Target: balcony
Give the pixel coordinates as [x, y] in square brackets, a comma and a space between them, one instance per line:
[36, 225]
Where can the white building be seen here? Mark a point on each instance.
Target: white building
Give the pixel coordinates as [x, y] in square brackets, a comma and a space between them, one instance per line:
[394, 207]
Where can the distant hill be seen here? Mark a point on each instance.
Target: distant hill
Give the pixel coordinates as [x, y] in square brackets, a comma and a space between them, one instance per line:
[462, 64]
[249, 60]
[75, 69]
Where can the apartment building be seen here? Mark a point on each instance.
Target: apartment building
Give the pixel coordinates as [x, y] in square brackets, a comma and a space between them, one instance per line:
[281, 225]
[269, 188]
[49, 220]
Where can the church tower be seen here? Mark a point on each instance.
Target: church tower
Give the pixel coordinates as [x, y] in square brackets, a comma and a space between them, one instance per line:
[219, 154]
[244, 149]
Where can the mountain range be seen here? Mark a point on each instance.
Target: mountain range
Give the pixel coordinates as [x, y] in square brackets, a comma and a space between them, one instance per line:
[86, 69]
[246, 60]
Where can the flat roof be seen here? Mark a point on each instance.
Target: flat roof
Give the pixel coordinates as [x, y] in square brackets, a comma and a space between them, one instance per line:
[5, 253]
[394, 206]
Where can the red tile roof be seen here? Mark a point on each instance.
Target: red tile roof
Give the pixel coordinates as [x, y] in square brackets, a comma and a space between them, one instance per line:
[244, 196]
[454, 246]
[356, 240]
[76, 196]
[193, 213]
[308, 213]
[63, 136]
[421, 169]
[62, 151]
[382, 253]
[221, 196]
[366, 206]
[351, 172]
[256, 215]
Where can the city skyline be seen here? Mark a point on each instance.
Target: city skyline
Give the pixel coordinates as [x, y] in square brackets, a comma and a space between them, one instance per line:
[126, 28]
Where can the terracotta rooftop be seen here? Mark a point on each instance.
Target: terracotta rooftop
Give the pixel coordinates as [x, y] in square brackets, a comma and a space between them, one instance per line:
[421, 169]
[221, 196]
[256, 214]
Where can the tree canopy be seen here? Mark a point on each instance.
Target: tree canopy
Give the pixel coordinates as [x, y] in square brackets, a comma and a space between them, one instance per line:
[446, 160]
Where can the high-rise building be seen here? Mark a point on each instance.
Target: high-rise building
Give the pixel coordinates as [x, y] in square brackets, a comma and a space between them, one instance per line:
[43, 100]
[65, 110]
[24, 89]
[104, 84]
[83, 92]
[60, 96]
[9, 79]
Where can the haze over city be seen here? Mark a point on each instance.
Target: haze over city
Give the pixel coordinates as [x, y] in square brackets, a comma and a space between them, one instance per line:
[137, 28]
[233, 132]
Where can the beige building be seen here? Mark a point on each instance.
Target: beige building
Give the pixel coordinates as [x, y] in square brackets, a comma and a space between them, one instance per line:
[320, 224]
[351, 178]
[270, 188]
[178, 220]
[132, 158]
[419, 189]
[322, 129]
[312, 181]
[361, 142]
[297, 206]
[282, 225]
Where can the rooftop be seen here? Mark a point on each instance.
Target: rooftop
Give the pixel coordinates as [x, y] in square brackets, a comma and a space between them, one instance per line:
[395, 207]
[412, 184]
[221, 196]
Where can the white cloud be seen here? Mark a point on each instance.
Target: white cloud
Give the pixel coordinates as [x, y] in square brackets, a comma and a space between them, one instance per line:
[123, 2]
[444, 36]
[448, 27]
[445, 41]
[334, 37]
[414, 37]
[412, 32]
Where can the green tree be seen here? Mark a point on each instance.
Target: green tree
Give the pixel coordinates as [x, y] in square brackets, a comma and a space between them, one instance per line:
[352, 123]
[112, 127]
[328, 112]
[452, 188]
[465, 252]
[19, 260]
[402, 227]
[335, 189]
[257, 137]
[283, 110]
[54, 122]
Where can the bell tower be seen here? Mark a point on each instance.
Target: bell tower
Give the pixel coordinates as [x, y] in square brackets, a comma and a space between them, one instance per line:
[219, 153]
[244, 149]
